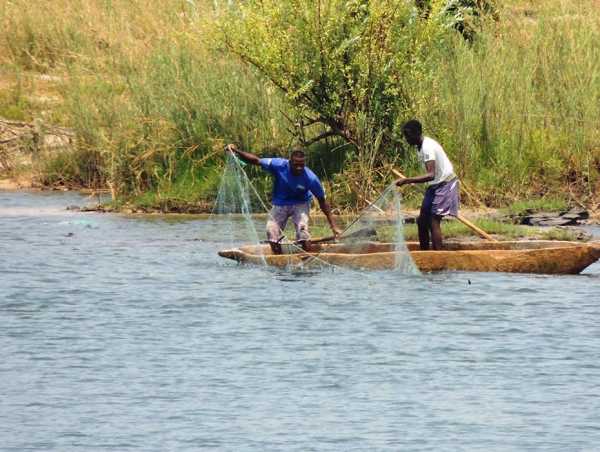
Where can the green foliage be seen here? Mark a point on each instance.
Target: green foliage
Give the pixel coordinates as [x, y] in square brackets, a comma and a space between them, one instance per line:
[553, 204]
[517, 111]
[190, 188]
[455, 229]
[465, 16]
[327, 158]
[153, 92]
[505, 231]
[347, 67]
[170, 114]
[69, 168]
[14, 104]
[560, 234]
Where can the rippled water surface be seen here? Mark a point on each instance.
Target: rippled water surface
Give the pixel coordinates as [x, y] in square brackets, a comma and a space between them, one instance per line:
[125, 334]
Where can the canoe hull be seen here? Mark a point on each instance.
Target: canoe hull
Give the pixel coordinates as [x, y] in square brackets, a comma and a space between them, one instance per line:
[512, 257]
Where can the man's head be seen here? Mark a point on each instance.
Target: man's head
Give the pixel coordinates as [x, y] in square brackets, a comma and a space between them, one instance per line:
[413, 132]
[297, 161]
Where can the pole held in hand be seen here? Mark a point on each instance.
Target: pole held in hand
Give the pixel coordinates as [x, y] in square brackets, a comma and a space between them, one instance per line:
[480, 232]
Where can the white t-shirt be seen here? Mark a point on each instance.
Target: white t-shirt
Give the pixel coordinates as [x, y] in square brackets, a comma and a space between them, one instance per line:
[432, 150]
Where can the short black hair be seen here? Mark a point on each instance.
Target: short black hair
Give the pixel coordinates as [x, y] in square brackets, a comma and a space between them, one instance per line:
[412, 127]
[297, 152]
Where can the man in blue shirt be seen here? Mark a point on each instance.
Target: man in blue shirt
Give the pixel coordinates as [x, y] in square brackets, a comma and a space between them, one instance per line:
[293, 187]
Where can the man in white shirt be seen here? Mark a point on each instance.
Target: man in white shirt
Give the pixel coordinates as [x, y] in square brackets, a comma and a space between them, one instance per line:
[442, 195]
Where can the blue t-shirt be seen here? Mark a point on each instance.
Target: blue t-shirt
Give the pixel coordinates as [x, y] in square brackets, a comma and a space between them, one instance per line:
[289, 189]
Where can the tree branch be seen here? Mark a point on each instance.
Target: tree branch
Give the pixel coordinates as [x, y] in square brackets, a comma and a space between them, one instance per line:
[322, 136]
[258, 66]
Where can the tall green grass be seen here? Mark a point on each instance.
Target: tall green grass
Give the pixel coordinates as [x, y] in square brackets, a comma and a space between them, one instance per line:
[149, 95]
[153, 98]
[518, 110]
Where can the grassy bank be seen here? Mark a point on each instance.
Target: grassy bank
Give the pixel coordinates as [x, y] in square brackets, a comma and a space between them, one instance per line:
[456, 230]
[152, 97]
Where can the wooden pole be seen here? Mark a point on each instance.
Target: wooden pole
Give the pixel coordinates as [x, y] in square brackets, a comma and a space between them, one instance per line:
[459, 217]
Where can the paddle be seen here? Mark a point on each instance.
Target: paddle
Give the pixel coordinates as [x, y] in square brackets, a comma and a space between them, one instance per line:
[459, 217]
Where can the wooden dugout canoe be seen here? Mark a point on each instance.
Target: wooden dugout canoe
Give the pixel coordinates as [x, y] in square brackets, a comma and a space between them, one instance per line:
[542, 257]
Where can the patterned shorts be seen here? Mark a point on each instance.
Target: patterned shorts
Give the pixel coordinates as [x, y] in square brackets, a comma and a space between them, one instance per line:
[441, 199]
[278, 219]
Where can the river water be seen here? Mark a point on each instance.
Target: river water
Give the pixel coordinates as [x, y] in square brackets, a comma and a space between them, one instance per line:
[122, 334]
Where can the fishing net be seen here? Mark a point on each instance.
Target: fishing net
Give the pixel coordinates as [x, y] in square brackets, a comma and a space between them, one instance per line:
[377, 229]
[236, 206]
[242, 215]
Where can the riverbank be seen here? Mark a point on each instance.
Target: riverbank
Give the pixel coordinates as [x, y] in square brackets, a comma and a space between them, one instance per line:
[510, 223]
[10, 184]
[492, 221]
[34, 157]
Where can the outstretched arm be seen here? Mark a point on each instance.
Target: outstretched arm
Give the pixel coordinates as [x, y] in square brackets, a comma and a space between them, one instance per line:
[429, 176]
[247, 157]
[324, 205]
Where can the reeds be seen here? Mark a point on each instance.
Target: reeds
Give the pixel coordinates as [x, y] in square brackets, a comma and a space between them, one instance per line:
[519, 109]
[153, 98]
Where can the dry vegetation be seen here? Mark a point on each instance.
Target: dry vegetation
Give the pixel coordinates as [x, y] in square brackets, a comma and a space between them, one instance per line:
[152, 97]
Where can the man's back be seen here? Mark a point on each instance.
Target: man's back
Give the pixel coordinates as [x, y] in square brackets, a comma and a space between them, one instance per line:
[432, 150]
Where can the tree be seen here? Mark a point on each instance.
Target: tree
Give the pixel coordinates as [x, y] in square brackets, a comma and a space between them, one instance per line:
[464, 16]
[347, 66]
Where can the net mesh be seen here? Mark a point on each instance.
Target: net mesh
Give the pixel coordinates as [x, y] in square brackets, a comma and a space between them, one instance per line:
[243, 214]
[237, 206]
[380, 227]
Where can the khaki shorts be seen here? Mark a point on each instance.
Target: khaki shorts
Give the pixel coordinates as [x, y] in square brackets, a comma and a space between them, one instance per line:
[278, 219]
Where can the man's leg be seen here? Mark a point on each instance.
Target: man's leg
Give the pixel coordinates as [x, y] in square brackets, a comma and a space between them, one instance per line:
[445, 202]
[275, 247]
[300, 217]
[436, 232]
[424, 220]
[275, 226]
[424, 224]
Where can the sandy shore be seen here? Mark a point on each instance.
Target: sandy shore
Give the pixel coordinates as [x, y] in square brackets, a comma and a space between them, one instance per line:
[12, 184]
